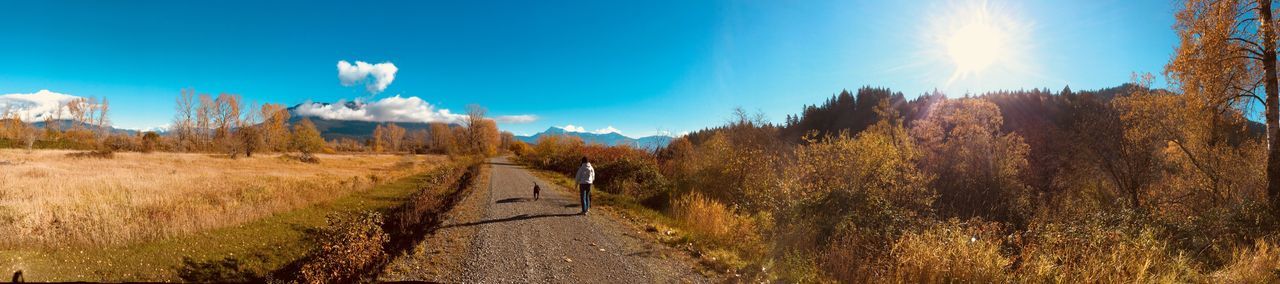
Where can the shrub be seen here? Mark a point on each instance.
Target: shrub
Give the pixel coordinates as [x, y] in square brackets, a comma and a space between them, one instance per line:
[117, 143]
[346, 249]
[979, 167]
[626, 170]
[619, 169]
[100, 154]
[853, 198]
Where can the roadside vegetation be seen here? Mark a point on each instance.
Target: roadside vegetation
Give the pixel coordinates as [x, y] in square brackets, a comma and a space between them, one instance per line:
[1127, 184]
[1023, 186]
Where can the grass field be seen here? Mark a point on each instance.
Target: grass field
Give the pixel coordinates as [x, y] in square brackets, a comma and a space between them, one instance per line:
[49, 199]
[138, 216]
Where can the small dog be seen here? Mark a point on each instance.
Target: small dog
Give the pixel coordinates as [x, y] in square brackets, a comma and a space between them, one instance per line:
[536, 191]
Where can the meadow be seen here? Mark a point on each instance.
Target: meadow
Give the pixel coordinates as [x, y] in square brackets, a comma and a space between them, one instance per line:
[49, 199]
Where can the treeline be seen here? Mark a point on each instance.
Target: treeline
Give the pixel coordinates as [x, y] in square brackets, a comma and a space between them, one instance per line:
[81, 123]
[227, 124]
[477, 135]
[1117, 185]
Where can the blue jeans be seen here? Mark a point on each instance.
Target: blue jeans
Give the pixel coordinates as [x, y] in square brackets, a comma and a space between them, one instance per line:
[584, 192]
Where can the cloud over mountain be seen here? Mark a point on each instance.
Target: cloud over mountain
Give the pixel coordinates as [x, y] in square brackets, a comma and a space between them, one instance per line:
[516, 119]
[375, 77]
[580, 129]
[392, 109]
[36, 106]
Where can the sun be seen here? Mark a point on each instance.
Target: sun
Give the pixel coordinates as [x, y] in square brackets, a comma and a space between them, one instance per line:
[974, 47]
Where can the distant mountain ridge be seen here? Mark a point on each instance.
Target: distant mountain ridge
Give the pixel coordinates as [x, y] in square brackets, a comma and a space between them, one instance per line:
[609, 139]
[331, 129]
[65, 124]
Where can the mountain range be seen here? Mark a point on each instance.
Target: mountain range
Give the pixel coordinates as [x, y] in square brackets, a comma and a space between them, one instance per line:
[610, 138]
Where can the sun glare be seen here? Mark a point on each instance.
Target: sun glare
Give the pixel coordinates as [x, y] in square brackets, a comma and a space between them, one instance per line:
[974, 47]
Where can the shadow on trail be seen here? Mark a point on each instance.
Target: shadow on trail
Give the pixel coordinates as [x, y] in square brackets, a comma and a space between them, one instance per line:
[505, 164]
[516, 199]
[512, 218]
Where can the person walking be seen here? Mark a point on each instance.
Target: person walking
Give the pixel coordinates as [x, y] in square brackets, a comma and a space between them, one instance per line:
[586, 175]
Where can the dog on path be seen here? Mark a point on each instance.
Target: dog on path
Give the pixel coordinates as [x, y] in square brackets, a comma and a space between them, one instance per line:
[536, 191]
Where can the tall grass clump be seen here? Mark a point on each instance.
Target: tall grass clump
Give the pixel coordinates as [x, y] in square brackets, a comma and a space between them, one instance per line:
[950, 252]
[1259, 263]
[732, 237]
[1101, 249]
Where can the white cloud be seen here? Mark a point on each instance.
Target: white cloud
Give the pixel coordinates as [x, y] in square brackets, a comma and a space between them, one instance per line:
[609, 129]
[390, 109]
[36, 106]
[606, 130]
[375, 77]
[393, 109]
[516, 119]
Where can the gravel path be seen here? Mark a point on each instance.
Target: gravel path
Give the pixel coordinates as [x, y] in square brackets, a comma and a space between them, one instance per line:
[522, 240]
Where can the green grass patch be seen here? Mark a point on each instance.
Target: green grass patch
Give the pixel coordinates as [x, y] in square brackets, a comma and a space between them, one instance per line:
[248, 251]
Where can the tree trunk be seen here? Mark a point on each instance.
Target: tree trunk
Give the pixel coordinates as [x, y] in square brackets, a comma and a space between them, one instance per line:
[1273, 104]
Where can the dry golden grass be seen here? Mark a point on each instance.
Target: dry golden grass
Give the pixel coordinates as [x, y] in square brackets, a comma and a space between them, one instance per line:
[48, 199]
[1260, 264]
[948, 253]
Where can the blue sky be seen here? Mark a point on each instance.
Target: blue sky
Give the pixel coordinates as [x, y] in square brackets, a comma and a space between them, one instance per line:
[638, 66]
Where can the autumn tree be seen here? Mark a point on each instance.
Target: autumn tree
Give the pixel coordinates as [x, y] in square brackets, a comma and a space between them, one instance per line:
[1097, 138]
[481, 135]
[102, 122]
[78, 108]
[248, 134]
[442, 138]
[184, 118]
[226, 117]
[275, 127]
[387, 137]
[460, 137]
[251, 139]
[417, 141]
[507, 140]
[1201, 153]
[378, 142]
[205, 109]
[306, 139]
[1226, 53]
[394, 136]
[978, 168]
[487, 137]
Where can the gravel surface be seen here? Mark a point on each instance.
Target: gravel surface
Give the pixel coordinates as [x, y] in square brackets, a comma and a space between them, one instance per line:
[519, 239]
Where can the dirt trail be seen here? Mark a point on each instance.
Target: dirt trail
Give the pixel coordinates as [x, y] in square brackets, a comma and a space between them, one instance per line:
[514, 238]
